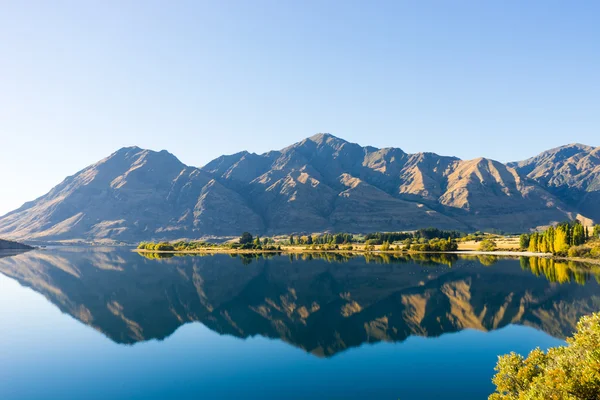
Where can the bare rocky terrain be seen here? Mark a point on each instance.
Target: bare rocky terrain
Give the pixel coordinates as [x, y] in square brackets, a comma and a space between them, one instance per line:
[321, 183]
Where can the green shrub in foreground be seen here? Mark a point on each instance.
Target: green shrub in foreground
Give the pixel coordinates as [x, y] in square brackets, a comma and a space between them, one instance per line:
[568, 372]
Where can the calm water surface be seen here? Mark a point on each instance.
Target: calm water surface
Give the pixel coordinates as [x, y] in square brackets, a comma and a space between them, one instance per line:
[83, 323]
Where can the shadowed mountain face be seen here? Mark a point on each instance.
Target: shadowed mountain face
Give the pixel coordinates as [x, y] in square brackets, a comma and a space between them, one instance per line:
[321, 183]
[320, 305]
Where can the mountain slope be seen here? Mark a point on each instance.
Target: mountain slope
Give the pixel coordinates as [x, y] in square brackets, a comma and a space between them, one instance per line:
[129, 195]
[320, 183]
[572, 173]
[10, 245]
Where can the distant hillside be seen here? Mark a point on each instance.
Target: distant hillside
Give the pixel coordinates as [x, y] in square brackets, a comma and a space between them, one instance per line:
[571, 173]
[10, 245]
[322, 183]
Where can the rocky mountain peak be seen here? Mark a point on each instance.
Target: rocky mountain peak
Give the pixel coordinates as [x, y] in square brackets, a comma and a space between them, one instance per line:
[322, 183]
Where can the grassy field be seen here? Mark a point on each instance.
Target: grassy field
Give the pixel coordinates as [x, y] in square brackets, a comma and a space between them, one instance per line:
[503, 243]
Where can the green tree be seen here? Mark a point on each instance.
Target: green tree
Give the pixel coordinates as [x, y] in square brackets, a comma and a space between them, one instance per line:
[596, 232]
[569, 372]
[163, 246]
[449, 245]
[578, 235]
[533, 240]
[587, 234]
[309, 239]
[561, 239]
[543, 243]
[549, 238]
[246, 238]
[292, 239]
[524, 241]
[487, 245]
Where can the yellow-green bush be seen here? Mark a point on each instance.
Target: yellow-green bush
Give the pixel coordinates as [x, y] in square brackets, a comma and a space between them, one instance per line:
[569, 372]
[579, 251]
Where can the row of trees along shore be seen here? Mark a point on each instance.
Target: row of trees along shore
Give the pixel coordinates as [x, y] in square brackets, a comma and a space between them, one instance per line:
[344, 241]
[566, 239]
[427, 239]
[569, 238]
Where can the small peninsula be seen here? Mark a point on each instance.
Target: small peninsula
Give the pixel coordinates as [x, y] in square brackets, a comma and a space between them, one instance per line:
[11, 245]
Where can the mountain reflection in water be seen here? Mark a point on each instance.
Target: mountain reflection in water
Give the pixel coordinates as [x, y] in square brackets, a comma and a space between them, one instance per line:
[322, 303]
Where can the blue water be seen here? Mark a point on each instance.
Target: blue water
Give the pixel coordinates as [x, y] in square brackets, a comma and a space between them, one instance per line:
[195, 329]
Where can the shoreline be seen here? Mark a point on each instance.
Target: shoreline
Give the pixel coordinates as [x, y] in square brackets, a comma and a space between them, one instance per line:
[296, 250]
[300, 250]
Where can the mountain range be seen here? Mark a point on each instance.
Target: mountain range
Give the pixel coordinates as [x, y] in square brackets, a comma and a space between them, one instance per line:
[322, 183]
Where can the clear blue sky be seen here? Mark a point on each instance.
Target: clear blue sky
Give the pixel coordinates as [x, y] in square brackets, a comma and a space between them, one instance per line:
[80, 79]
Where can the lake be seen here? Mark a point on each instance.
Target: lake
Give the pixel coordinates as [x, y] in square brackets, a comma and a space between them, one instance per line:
[100, 323]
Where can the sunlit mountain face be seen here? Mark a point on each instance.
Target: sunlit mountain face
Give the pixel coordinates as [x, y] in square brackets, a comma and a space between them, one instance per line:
[322, 183]
[323, 304]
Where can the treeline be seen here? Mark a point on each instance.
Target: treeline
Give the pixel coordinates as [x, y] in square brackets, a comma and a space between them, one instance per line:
[428, 239]
[378, 238]
[325, 238]
[246, 242]
[249, 242]
[375, 238]
[433, 245]
[177, 246]
[564, 239]
[162, 246]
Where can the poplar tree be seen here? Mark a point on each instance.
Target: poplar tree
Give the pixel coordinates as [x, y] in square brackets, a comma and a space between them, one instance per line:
[587, 234]
[578, 235]
[543, 246]
[524, 241]
[533, 242]
[561, 239]
[550, 233]
[569, 234]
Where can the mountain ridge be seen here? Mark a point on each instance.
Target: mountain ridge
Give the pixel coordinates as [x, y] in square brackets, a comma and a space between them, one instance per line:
[321, 183]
